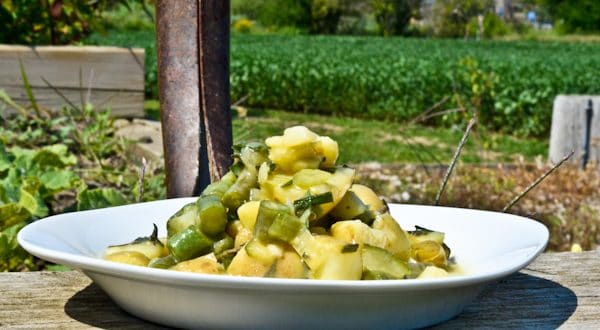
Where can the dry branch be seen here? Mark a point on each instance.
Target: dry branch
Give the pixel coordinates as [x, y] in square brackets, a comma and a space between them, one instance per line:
[461, 144]
[536, 182]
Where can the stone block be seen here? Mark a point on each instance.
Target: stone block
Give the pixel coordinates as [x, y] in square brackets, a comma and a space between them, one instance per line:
[569, 126]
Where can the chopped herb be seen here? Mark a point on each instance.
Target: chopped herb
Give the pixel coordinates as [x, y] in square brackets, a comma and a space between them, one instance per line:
[309, 200]
[349, 248]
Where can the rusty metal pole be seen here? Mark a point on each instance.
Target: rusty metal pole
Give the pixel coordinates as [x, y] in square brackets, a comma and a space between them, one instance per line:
[190, 104]
[214, 85]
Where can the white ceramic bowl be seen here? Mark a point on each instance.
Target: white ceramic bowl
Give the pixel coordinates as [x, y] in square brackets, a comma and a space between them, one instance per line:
[487, 245]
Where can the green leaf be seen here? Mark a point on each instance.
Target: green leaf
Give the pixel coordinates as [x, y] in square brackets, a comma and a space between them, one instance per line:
[56, 155]
[58, 268]
[57, 180]
[33, 203]
[28, 89]
[12, 255]
[88, 199]
[12, 214]
[5, 162]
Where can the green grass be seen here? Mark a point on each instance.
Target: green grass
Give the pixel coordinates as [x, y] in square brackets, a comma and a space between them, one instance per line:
[371, 140]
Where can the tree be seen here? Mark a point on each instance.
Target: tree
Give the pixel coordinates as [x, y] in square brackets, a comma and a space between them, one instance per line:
[393, 16]
[574, 15]
[451, 17]
[38, 22]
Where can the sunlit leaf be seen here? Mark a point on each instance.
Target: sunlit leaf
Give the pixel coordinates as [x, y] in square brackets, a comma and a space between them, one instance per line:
[99, 198]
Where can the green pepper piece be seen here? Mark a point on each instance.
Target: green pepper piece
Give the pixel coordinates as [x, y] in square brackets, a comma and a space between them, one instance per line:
[189, 244]
[223, 244]
[213, 215]
[219, 188]
[267, 213]
[239, 192]
[163, 263]
[285, 227]
[185, 217]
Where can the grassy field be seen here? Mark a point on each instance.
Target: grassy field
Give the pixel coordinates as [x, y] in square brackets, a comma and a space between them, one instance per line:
[363, 140]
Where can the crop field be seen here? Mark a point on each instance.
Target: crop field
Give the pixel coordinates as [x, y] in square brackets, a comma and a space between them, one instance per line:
[511, 85]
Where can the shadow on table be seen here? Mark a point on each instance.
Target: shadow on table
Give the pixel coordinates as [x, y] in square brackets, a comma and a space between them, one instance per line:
[93, 307]
[517, 302]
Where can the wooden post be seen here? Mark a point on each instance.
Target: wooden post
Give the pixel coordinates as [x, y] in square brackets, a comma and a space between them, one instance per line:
[193, 61]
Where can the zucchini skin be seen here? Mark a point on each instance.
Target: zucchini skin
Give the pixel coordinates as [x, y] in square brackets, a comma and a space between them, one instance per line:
[188, 244]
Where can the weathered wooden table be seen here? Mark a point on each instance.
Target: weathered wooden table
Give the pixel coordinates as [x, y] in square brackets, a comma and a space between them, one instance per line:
[557, 290]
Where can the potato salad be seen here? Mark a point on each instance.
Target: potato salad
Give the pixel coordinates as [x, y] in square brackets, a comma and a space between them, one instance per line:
[286, 209]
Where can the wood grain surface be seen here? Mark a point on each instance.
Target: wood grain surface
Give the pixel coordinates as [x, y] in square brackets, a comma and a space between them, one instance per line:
[558, 290]
[115, 75]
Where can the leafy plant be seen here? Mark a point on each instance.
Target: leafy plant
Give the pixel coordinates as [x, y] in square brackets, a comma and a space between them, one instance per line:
[510, 84]
[58, 162]
[50, 21]
[393, 16]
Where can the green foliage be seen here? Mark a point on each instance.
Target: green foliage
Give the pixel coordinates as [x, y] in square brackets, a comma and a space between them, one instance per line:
[392, 16]
[325, 16]
[494, 26]
[30, 179]
[275, 14]
[54, 22]
[574, 16]
[452, 17]
[510, 84]
[312, 16]
[52, 163]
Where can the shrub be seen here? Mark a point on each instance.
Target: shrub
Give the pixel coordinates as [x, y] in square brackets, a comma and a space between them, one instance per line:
[242, 25]
[44, 22]
[54, 163]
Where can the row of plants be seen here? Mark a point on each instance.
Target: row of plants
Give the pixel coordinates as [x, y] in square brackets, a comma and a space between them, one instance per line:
[52, 163]
[510, 86]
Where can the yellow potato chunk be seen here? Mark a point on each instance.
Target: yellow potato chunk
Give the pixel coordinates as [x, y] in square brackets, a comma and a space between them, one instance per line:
[433, 272]
[300, 148]
[368, 197]
[290, 265]
[205, 265]
[399, 244]
[247, 214]
[129, 257]
[356, 231]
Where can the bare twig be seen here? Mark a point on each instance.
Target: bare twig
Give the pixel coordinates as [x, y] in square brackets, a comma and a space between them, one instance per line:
[422, 147]
[536, 182]
[142, 174]
[416, 153]
[443, 112]
[136, 59]
[423, 115]
[57, 91]
[81, 97]
[88, 95]
[461, 144]
[241, 100]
